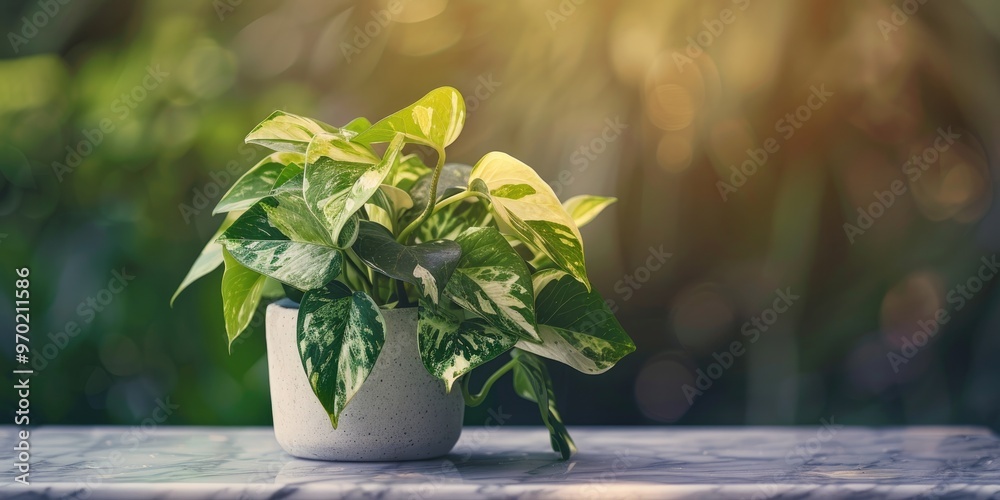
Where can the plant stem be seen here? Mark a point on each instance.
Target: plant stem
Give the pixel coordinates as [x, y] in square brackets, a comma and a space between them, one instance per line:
[457, 198]
[478, 399]
[354, 262]
[403, 300]
[431, 201]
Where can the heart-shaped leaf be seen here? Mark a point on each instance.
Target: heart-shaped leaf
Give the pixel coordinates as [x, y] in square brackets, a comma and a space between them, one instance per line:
[427, 265]
[451, 346]
[526, 207]
[279, 237]
[339, 179]
[257, 182]
[340, 335]
[283, 131]
[532, 382]
[435, 120]
[241, 291]
[493, 282]
[576, 326]
[584, 208]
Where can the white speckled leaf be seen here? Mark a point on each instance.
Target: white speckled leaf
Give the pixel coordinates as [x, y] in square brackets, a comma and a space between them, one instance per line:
[527, 207]
[435, 120]
[493, 282]
[283, 131]
[241, 291]
[257, 182]
[576, 326]
[532, 382]
[340, 335]
[277, 237]
[451, 347]
[340, 178]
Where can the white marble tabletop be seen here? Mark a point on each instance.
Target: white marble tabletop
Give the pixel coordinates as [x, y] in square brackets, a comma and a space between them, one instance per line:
[613, 462]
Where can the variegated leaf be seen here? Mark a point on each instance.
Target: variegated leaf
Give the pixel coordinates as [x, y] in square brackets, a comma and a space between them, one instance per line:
[448, 222]
[525, 205]
[209, 258]
[427, 265]
[287, 132]
[241, 291]
[435, 120]
[451, 346]
[386, 205]
[493, 282]
[584, 208]
[532, 382]
[340, 335]
[291, 171]
[355, 127]
[339, 180]
[576, 326]
[407, 172]
[279, 238]
[257, 182]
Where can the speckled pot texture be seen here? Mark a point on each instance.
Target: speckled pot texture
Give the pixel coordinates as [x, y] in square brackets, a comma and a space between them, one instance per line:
[400, 413]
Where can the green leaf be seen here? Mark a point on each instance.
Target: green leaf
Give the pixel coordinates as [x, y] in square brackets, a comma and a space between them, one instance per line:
[407, 172]
[493, 282]
[257, 182]
[584, 208]
[356, 126]
[532, 382]
[386, 205]
[241, 291]
[427, 265]
[273, 289]
[287, 132]
[339, 180]
[291, 171]
[576, 326]
[340, 335]
[451, 346]
[279, 237]
[448, 222]
[209, 258]
[435, 120]
[526, 207]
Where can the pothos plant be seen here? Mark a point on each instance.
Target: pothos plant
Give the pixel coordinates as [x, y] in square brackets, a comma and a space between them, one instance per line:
[346, 222]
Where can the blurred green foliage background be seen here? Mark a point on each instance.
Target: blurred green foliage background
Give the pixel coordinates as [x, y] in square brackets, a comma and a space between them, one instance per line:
[121, 124]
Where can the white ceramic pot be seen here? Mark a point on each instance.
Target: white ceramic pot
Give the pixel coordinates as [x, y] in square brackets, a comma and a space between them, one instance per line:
[401, 412]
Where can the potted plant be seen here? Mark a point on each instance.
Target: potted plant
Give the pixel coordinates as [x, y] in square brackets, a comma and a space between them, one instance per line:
[400, 279]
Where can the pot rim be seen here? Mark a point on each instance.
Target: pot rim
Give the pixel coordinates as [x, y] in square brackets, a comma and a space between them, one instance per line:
[287, 303]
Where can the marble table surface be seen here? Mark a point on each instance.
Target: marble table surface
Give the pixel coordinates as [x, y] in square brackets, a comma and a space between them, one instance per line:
[503, 462]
